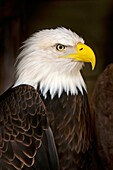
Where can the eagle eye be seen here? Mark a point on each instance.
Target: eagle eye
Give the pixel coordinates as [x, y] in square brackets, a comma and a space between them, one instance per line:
[60, 47]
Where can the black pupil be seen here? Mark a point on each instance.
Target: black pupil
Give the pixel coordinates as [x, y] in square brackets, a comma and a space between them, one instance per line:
[60, 47]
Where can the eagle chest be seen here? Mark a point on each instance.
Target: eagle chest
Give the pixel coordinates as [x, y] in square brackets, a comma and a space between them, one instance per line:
[68, 119]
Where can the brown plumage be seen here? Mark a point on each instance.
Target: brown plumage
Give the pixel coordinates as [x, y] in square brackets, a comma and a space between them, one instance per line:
[22, 122]
[70, 121]
[102, 113]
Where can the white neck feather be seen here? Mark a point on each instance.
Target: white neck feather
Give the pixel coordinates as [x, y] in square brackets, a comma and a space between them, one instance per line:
[51, 80]
[56, 84]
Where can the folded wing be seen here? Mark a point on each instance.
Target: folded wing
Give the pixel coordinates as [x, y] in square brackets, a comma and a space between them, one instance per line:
[23, 122]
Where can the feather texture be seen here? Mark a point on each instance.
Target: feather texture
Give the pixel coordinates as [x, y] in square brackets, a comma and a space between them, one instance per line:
[71, 124]
[23, 121]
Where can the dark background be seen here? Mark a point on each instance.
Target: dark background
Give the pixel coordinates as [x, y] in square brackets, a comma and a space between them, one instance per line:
[91, 19]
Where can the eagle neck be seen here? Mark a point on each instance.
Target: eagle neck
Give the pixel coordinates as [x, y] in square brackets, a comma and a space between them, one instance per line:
[57, 83]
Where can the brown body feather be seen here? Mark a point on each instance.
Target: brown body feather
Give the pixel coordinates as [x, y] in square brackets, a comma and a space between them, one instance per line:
[70, 121]
[22, 122]
[23, 145]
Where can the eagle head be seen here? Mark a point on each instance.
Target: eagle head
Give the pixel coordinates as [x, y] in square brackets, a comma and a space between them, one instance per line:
[52, 59]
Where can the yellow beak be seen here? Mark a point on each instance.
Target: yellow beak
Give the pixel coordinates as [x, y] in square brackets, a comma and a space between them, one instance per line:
[84, 54]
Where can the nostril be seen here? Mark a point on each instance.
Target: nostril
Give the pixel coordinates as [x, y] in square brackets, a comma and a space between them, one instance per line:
[81, 49]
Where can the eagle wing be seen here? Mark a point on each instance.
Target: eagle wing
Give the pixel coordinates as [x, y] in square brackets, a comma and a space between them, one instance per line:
[23, 125]
[102, 114]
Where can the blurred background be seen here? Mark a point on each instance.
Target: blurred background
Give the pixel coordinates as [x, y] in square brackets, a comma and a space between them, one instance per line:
[91, 19]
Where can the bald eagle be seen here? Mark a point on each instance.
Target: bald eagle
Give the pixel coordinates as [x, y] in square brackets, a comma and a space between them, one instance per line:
[48, 96]
[102, 113]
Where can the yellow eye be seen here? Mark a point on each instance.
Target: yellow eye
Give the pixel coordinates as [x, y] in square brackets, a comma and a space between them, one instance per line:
[60, 47]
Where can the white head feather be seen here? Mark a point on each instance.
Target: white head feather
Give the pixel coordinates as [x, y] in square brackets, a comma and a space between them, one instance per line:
[39, 63]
